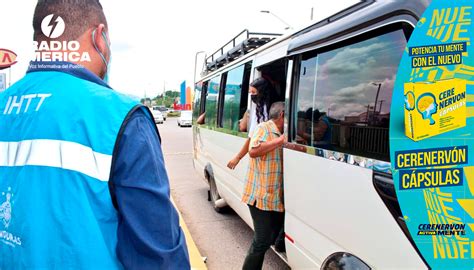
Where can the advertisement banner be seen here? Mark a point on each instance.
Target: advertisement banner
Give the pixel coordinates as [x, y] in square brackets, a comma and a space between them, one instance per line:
[431, 129]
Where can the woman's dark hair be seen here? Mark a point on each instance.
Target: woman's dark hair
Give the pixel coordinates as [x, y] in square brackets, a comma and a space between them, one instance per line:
[264, 87]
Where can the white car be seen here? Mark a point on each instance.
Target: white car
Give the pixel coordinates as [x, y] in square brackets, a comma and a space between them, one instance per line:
[163, 110]
[158, 116]
[185, 119]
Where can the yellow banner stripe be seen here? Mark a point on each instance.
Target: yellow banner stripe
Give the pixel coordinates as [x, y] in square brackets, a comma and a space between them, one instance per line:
[470, 111]
[468, 206]
[469, 173]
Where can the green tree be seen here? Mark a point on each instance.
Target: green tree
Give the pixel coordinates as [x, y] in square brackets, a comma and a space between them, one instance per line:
[172, 93]
[167, 98]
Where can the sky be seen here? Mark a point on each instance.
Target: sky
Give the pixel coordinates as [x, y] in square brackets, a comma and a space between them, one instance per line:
[350, 75]
[154, 43]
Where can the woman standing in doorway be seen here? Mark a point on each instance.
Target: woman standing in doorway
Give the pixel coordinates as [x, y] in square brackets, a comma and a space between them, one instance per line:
[260, 96]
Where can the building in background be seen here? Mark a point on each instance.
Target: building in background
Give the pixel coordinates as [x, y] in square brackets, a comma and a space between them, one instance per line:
[185, 99]
[3, 81]
[7, 60]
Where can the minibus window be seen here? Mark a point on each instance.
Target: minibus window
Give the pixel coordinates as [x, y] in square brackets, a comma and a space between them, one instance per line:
[202, 108]
[197, 100]
[344, 96]
[211, 101]
[307, 83]
[275, 72]
[232, 98]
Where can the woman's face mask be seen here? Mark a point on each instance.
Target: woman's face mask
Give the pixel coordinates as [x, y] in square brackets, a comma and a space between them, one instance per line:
[254, 98]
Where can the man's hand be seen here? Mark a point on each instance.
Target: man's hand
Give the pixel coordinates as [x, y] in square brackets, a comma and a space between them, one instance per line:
[233, 163]
[266, 147]
[281, 140]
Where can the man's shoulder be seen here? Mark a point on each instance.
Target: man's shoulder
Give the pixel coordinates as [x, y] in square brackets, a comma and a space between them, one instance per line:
[262, 131]
[89, 97]
[267, 126]
[263, 127]
[103, 94]
[79, 85]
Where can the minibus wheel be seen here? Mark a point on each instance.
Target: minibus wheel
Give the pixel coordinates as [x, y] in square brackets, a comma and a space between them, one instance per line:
[217, 202]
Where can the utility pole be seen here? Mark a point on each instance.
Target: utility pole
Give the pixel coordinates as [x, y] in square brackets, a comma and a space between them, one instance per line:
[163, 99]
[376, 96]
[380, 108]
[367, 118]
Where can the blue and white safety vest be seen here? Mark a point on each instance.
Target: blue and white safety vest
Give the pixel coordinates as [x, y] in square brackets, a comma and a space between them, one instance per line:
[57, 138]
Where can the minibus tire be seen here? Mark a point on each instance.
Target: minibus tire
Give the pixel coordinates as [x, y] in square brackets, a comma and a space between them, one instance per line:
[215, 197]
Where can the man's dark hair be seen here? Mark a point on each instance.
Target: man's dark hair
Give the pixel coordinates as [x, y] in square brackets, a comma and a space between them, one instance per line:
[78, 16]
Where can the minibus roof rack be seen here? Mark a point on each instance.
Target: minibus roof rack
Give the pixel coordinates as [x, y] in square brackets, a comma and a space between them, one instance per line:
[240, 45]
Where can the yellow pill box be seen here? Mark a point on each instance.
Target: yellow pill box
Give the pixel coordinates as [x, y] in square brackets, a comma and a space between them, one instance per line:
[433, 108]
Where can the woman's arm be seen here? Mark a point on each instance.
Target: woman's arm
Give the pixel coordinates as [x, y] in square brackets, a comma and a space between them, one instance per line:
[243, 151]
[201, 118]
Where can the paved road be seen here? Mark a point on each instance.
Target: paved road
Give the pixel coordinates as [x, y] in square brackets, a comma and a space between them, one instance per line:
[222, 238]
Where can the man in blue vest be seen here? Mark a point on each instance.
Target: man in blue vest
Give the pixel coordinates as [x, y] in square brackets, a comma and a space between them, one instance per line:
[82, 178]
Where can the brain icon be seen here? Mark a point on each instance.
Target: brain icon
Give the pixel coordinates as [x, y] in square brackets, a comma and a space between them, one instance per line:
[426, 106]
[425, 102]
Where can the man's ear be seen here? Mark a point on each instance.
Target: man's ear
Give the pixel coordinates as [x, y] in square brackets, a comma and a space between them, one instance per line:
[101, 40]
